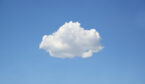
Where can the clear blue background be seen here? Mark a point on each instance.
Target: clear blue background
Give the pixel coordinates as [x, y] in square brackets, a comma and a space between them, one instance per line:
[121, 24]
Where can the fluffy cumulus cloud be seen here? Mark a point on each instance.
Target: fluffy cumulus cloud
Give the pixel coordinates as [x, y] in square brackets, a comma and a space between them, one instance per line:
[71, 40]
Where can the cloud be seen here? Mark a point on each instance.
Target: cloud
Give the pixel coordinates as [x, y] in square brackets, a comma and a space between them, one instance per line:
[71, 40]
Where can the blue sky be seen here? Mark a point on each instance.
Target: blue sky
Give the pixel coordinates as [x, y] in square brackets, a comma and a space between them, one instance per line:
[121, 24]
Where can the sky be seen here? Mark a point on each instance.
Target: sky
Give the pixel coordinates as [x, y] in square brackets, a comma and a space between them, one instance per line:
[120, 23]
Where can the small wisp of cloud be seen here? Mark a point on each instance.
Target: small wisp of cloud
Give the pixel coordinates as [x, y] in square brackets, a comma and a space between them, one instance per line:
[71, 40]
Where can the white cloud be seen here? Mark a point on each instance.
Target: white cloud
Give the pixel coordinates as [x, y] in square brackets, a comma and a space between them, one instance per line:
[71, 40]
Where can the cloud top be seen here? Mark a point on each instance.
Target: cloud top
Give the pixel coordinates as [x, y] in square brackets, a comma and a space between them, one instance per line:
[71, 40]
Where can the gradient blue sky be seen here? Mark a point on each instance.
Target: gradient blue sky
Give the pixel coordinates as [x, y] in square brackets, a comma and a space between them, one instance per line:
[121, 24]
